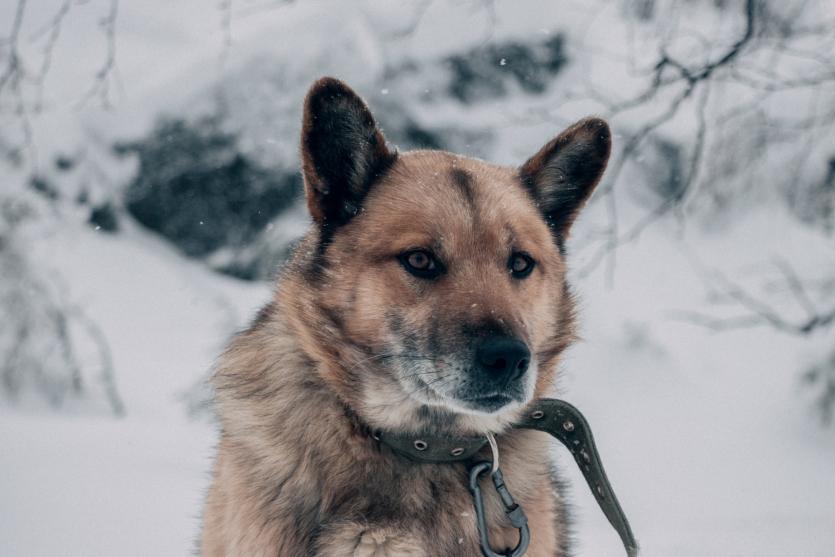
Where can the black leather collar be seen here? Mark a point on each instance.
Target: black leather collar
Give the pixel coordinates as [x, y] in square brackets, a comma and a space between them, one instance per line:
[432, 448]
[555, 417]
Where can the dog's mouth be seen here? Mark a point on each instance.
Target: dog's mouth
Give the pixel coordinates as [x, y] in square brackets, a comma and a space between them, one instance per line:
[475, 402]
[488, 403]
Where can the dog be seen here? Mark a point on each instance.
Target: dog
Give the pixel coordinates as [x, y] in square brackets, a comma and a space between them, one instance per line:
[429, 295]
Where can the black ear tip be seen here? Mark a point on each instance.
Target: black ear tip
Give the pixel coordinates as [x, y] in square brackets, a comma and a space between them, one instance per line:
[327, 84]
[595, 124]
[598, 133]
[328, 89]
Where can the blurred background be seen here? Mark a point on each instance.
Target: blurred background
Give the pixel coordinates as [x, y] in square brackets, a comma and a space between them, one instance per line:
[150, 190]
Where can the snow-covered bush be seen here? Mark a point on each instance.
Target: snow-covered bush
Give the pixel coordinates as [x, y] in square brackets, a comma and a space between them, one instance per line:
[41, 330]
[198, 190]
[491, 71]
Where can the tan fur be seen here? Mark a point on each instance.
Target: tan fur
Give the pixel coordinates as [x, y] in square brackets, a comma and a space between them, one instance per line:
[297, 472]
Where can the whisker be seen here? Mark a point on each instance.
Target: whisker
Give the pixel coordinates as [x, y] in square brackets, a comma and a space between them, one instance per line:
[432, 386]
[386, 355]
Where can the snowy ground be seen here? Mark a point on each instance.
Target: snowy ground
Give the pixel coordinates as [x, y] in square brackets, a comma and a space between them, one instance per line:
[94, 485]
[706, 436]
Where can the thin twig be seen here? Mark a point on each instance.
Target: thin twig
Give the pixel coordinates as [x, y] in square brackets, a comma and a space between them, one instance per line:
[107, 71]
[54, 29]
[107, 374]
[759, 312]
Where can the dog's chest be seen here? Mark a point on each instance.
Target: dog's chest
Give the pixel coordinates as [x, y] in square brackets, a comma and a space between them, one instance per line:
[448, 528]
[382, 543]
[359, 540]
[362, 540]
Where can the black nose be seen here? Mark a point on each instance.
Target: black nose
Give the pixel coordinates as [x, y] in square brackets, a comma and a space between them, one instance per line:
[503, 358]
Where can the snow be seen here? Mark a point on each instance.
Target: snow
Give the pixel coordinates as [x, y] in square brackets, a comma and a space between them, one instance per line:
[706, 436]
[95, 485]
[701, 432]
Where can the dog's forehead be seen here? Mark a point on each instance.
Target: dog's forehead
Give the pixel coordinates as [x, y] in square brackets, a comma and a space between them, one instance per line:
[437, 193]
[467, 175]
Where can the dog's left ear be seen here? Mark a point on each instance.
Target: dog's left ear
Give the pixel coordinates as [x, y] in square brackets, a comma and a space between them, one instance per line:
[564, 173]
[343, 151]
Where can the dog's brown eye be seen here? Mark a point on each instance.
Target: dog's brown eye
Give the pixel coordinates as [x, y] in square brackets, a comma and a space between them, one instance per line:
[419, 260]
[421, 263]
[521, 265]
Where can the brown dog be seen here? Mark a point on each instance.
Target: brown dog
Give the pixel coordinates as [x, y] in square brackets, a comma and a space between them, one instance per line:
[429, 296]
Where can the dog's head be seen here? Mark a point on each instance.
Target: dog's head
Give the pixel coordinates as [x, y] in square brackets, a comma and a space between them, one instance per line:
[434, 284]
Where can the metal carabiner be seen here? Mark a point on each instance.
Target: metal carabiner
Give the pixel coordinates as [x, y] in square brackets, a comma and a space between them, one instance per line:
[513, 511]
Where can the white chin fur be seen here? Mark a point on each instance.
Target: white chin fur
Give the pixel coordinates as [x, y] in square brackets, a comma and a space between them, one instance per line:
[387, 407]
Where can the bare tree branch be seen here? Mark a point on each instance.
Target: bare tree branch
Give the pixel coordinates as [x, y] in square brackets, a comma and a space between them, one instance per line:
[760, 312]
[12, 79]
[12, 73]
[107, 374]
[690, 76]
[107, 71]
[821, 377]
[54, 30]
[39, 337]
[225, 8]
[682, 81]
[23, 76]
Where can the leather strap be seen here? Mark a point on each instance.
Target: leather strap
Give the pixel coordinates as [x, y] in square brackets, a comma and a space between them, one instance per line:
[564, 422]
[555, 417]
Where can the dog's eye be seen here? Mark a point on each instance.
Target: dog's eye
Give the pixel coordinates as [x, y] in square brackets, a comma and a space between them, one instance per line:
[520, 265]
[421, 263]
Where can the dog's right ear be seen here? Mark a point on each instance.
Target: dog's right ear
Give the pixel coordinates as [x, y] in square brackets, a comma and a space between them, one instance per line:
[343, 152]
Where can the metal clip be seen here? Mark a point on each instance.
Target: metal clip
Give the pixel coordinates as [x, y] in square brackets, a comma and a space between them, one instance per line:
[513, 511]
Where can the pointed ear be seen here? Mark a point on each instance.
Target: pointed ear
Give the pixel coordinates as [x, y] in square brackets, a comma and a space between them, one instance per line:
[563, 174]
[342, 149]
